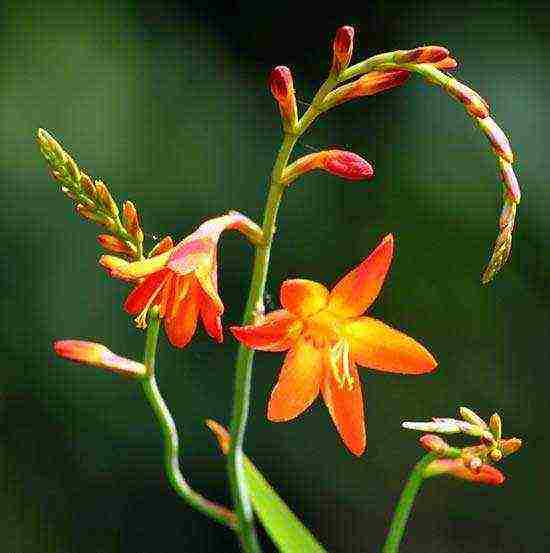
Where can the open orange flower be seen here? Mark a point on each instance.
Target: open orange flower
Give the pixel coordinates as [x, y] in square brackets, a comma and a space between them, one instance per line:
[327, 338]
[182, 280]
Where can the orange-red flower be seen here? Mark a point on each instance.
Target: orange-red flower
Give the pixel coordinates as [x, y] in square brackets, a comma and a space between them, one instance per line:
[327, 338]
[182, 281]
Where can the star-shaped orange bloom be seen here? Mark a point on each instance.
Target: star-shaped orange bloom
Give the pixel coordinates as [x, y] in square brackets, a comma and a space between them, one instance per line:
[182, 280]
[327, 338]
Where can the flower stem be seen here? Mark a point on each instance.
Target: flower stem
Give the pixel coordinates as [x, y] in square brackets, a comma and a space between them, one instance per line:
[405, 503]
[170, 434]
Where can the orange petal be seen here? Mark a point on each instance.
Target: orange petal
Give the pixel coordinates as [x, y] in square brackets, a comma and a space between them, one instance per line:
[298, 383]
[208, 279]
[211, 318]
[354, 293]
[145, 292]
[303, 297]
[376, 345]
[345, 406]
[277, 332]
[181, 327]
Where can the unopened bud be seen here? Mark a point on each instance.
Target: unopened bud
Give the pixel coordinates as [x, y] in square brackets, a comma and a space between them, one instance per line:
[113, 244]
[48, 143]
[495, 455]
[473, 418]
[447, 64]
[473, 102]
[282, 88]
[163, 246]
[87, 185]
[222, 435]
[131, 220]
[497, 138]
[115, 266]
[98, 355]
[495, 424]
[510, 180]
[91, 215]
[437, 445]
[371, 83]
[508, 214]
[443, 426]
[105, 198]
[423, 54]
[342, 48]
[341, 163]
[509, 446]
[72, 168]
[485, 474]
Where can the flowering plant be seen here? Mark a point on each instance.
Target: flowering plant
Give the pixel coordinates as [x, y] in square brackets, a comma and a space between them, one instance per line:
[325, 332]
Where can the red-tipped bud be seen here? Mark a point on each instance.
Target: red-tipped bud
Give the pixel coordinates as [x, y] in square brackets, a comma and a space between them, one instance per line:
[342, 48]
[113, 244]
[282, 88]
[343, 164]
[437, 445]
[473, 102]
[447, 64]
[371, 83]
[483, 474]
[98, 355]
[497, 138]
[423, 54]
[510, 180]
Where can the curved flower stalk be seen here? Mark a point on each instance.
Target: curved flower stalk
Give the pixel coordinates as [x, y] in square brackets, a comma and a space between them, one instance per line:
[326, 338]
[98, 355]
[182, 280]
[93, 200]
[472, 463]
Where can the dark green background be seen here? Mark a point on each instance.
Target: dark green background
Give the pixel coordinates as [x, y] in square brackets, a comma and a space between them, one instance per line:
[168, 103]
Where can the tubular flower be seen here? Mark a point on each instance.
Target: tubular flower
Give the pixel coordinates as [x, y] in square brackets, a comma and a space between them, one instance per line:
[182, 280]
[326, 338]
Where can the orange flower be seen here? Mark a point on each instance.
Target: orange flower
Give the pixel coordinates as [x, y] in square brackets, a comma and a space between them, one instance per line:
[182, 281]
[327, 338]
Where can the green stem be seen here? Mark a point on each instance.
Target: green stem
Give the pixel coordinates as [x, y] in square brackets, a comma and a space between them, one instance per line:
[404, 506]
[170, 434]
[254, 305]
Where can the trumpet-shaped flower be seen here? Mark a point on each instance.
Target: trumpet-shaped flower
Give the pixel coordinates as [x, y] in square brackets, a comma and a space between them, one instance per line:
[326, 338]
[182, 281]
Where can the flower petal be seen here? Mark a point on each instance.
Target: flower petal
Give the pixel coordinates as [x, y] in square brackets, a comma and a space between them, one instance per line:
[303, 297]
[208, 279]
[298, 383]
[354, 293]
[138, 269]
[145, 292]
[378, 346]
[181, 327]
[277, 332]
[345, 406]
[211, 318]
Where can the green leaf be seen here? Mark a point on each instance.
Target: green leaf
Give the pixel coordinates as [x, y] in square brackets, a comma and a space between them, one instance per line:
[282, 525]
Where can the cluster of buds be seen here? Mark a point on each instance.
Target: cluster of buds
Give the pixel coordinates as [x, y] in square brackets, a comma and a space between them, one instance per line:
[472, 463]
[93, 201]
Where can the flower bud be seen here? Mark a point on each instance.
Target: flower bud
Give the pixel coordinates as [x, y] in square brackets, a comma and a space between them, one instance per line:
[161, 247]
[447, 64]
[509, 446]
[282, 88]
[221, 434]
[473, 418]
[115, 267]
[510, 180]
[495, 424]
[423, 54]
[497, 138]
[341, 163]
[87, 185]
[113, 244]
[91, 215]
[105, 198]
[371, 83]
[342, 48]
[484, 474]
[473, 102]
[131, 220]
[437, 445]
[98, 355]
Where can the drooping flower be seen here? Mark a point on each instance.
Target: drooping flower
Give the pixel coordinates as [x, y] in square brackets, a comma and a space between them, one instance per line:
[182, 280]
[327, 338]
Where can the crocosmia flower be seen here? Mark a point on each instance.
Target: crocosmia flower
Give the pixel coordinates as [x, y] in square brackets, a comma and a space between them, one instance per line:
[327, 337]
[182, 281]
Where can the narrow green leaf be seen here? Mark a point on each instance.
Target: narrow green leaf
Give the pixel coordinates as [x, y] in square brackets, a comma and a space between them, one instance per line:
[282, 525]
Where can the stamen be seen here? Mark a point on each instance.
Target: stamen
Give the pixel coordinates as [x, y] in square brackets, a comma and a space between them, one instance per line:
[340, 364]
[141, 319]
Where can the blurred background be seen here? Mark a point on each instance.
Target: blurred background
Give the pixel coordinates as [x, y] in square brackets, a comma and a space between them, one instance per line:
[168, 103]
